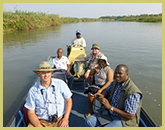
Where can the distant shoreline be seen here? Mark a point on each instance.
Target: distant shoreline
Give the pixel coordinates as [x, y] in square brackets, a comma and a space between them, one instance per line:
[20, 20]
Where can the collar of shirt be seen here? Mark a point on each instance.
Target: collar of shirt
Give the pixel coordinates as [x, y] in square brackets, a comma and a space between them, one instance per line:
[59, 59]
[121, 85]
[42, 88]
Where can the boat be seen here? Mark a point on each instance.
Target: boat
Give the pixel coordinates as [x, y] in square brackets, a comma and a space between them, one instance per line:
[80, 104]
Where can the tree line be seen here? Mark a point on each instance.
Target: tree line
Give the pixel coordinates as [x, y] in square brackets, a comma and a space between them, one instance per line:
[141, 17]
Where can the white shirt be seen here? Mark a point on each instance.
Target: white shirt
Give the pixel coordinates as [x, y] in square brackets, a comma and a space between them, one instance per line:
[60, 63]
[79, 41]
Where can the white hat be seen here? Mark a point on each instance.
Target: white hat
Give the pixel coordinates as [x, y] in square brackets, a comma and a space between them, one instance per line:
[103, 58]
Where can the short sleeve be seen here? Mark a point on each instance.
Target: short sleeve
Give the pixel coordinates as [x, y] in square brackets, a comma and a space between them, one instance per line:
[53, 64]
[88, 56]
[84, 42]
[132, 103]
[30, 101]
[67, 61]
[65, 90]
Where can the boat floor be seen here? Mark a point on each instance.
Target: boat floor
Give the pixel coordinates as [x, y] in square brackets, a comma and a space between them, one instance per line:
[80, 106]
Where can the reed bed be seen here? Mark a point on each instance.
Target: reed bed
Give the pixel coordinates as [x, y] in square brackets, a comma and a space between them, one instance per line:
[22, 20]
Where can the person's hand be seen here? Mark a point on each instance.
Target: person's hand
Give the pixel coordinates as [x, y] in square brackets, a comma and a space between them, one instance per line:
[97, 70]
[64, 123]
[72, 62]
[104, 101]
[98, 95]
[67, 72]
[98, 92]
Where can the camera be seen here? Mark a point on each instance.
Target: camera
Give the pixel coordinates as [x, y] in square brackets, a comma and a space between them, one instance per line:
[53, 118]
[97, 96]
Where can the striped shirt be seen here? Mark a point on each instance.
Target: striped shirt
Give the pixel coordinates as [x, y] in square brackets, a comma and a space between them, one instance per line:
[131, 103]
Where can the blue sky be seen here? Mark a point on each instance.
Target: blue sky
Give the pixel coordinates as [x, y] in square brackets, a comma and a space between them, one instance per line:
[91, 10]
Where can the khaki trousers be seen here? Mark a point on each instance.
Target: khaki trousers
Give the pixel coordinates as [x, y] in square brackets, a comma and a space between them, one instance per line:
[47, 123]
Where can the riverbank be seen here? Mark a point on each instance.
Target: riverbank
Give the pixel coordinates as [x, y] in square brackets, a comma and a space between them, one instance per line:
[22, 20]
[154, 18]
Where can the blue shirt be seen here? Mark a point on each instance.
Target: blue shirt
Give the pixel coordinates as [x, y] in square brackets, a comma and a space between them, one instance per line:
[46, 103]
[131, 103]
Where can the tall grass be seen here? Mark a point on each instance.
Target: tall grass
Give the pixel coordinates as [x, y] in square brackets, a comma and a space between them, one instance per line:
[21, 20]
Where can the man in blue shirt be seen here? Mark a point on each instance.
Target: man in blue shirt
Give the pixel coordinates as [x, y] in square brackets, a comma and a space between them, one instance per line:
[124, 101]
[49, 101]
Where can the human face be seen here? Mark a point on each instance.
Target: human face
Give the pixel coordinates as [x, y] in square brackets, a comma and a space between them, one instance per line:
[78, 35]
[95, 51]
[59, 53]
[121, 75]
[45, 76]
[102, 63]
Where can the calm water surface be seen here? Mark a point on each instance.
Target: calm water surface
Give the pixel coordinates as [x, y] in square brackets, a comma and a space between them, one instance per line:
[138, 45]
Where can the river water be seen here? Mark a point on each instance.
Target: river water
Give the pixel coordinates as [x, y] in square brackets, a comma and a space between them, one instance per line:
[138, 45]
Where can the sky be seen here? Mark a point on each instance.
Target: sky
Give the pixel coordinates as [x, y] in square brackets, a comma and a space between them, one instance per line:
[90, 10]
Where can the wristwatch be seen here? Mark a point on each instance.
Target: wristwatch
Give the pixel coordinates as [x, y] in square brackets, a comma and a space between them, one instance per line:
[111, 110]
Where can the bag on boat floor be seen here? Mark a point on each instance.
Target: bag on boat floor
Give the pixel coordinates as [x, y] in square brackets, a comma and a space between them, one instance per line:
[79, 69]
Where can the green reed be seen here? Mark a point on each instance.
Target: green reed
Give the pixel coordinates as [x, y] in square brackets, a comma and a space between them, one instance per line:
[22, 20]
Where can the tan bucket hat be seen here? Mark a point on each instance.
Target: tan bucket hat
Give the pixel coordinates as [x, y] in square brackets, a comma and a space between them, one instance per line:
[44, 66]
[103, 58]
[95, 45]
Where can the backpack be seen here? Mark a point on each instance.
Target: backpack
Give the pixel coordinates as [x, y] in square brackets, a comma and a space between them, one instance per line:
[79, 69]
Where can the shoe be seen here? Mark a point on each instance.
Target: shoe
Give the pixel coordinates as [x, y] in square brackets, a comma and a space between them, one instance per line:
[88, 114]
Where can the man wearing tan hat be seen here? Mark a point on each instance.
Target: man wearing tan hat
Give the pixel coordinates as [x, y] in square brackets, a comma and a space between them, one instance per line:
[49, 101]
[91, 57]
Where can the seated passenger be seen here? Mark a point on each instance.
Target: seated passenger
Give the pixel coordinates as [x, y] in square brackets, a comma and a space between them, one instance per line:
[124, 102]
[103, 76]
[49, 101]
[79, 40]
[61, 63]
[91, 57]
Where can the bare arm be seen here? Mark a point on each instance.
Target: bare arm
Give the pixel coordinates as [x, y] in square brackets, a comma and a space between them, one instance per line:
[33, 118]
[72, 62]
[68, 70]
[65, 121]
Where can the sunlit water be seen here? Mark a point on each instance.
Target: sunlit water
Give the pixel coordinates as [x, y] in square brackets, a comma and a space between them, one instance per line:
[138, 45]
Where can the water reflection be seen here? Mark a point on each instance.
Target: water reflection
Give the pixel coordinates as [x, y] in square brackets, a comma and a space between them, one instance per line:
[29, 37]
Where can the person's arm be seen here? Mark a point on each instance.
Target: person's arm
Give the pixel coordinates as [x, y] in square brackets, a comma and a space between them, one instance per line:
[53, 64]
[33, 118]
[109, 80]
[129, 115]
[92, 72]
[84, 42]
[65, 121]
[68, 69]
[72, 62]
